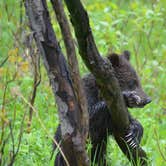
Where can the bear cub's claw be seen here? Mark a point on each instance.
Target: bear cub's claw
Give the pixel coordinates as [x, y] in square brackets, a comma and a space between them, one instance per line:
[134, 134]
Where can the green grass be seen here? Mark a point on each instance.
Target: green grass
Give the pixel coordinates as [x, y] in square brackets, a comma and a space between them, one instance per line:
[138, 26]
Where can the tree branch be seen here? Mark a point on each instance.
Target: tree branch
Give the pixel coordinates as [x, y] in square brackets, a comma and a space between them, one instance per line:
[104, 74]
[100, 67]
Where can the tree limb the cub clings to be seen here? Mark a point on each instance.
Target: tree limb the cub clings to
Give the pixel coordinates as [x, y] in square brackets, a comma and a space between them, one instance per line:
[100, 126]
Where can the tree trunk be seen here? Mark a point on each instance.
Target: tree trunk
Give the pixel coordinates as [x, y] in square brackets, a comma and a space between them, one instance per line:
[70, 114]
[103, 71]
[73, 63]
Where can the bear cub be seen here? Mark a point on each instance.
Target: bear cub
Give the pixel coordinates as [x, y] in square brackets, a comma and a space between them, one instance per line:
[100, 126]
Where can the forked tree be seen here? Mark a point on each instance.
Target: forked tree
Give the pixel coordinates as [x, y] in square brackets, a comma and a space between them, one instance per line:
[66, 81]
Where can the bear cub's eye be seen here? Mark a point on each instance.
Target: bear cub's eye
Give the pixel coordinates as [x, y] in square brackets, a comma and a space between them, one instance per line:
[132, 84]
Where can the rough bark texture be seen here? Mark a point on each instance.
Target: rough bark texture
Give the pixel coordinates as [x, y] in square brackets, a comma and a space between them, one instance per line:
[100, 68]
[69, 112]
[104, 74]
[73, 63]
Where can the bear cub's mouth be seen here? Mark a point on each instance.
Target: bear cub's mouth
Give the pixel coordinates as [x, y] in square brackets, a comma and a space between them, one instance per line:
[133, 100]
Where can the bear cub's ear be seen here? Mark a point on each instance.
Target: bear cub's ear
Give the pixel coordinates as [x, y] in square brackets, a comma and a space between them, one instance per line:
[126, 54]
[114, 58]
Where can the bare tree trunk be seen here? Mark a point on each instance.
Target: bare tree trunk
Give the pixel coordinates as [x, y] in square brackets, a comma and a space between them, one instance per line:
[69, 111]
[103, 71]
[73, 63]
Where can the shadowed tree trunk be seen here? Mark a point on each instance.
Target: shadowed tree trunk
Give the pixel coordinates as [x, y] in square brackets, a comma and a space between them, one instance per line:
[70, 113]
[72, 61]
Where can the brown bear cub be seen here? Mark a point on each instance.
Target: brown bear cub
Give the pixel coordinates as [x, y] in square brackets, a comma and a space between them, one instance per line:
[100, 126]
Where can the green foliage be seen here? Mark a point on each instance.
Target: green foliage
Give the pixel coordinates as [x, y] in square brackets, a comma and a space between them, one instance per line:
[138, 26]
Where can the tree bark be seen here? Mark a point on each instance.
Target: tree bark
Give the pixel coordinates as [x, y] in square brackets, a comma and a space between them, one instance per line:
[73, 64]
[55, 64]
[103, 71]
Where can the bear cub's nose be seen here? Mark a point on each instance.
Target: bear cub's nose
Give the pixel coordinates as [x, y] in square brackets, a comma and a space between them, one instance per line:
[147, 101]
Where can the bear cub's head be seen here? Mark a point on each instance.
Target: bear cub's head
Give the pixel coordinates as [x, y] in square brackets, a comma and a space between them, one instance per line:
[129, 81]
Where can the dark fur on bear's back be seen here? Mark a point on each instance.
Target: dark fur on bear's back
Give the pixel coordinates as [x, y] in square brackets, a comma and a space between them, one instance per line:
[100, 119]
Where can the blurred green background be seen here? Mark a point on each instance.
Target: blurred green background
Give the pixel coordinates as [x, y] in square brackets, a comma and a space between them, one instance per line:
[135, 25]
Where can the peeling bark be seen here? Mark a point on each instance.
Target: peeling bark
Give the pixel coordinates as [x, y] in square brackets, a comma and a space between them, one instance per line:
[55, 64]
[73, 64]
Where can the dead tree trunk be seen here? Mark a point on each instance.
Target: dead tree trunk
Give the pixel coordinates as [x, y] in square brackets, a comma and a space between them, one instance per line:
[73, 144]
[73, 63]
[104, 74]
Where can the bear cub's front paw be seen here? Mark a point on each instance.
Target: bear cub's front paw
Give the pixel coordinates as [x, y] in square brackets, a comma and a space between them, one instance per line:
[134, 134]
